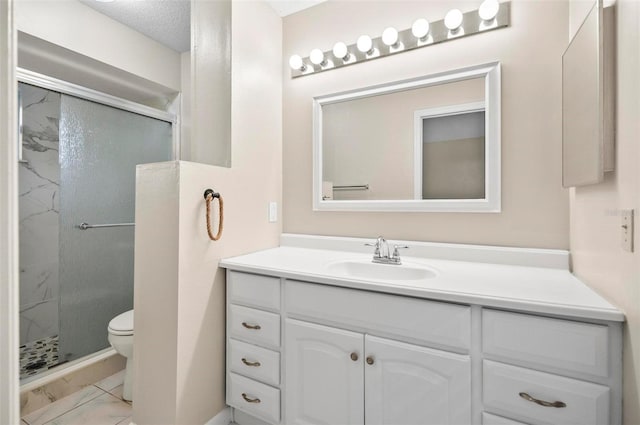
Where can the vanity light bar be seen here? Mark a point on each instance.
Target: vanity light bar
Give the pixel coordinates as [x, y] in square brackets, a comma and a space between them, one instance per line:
[392, 42]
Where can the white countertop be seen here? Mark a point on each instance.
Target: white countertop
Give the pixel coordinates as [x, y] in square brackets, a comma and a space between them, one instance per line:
[548, 290]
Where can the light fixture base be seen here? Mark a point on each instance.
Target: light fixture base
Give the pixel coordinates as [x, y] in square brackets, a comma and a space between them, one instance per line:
[438, 33]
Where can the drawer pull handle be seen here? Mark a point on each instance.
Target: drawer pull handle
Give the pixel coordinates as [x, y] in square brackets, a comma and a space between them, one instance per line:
[250, 400]
[556, 404]
[248, 326]
[248, 363]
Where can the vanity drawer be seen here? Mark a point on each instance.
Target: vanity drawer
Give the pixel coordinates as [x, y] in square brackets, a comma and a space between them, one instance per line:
[257, 399]
[585, 403]
[254, 290]
[547, 343]
[439, 323]
[253, 325]
[254, 362]
[489, 419]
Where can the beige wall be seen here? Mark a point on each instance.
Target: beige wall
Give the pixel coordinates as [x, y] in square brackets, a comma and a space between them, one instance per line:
[371, 140]
[74, 26]
[211, 74]
[598, 258]
[179, 289]
[185, 107]
[534, 206]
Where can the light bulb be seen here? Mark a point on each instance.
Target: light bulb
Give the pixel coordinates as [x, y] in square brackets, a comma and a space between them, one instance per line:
[365, 44]
[453, 19]
[316, 57]
[420, 28]
[390, 36]
[295, 62]
[489, 10]
[341, 51]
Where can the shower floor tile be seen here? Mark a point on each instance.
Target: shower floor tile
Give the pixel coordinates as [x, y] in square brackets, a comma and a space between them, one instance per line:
[38, 356]
[91, 405]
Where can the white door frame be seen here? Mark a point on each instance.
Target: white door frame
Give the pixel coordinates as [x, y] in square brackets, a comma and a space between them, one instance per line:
[9, 360]
[418, 127]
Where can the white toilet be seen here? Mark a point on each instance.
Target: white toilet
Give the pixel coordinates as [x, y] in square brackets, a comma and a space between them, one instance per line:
[121, 339]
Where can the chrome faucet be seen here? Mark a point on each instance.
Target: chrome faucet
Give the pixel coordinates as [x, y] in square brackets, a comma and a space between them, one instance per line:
[381, 253]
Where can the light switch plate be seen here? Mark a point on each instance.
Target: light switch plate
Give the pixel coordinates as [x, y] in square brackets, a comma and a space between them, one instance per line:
[627, 230]
[273, 212]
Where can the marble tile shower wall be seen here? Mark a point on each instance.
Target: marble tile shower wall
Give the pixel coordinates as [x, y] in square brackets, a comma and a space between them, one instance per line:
[39, 183]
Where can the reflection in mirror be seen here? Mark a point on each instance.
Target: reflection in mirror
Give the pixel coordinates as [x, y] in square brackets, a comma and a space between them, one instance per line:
[429, 144]
[452, 142]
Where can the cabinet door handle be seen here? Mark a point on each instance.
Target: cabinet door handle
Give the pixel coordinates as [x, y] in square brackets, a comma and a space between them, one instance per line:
[248, 326]
[354, 356]
[370, 360]
[248, 363]
[556, 404]
[250, 400]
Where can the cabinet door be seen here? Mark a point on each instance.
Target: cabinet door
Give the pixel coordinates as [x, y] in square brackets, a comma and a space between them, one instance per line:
[407, 384]
[324, 375]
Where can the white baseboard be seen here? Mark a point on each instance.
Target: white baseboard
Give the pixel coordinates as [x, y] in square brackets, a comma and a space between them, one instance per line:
[241, 418]
[222, 418]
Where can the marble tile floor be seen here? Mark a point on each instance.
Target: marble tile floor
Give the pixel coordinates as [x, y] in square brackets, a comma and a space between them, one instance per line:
[97, 404]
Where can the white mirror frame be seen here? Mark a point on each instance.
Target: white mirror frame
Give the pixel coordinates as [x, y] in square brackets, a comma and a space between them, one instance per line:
[492, 201]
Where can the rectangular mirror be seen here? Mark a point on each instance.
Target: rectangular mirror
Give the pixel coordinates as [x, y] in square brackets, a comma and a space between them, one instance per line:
[426, 144]
[587, 100]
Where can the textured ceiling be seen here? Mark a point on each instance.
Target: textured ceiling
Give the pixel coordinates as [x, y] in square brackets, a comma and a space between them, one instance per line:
[166, 21]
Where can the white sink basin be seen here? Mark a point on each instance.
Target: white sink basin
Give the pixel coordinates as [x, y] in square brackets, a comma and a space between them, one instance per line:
[375, 271]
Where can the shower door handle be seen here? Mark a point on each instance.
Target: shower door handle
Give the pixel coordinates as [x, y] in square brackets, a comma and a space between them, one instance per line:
[20, 140]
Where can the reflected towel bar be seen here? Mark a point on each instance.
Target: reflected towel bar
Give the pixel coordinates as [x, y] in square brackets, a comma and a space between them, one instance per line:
[352, 187]
[85, 226]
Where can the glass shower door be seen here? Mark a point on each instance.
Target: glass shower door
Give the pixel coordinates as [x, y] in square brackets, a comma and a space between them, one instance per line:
[100, 147]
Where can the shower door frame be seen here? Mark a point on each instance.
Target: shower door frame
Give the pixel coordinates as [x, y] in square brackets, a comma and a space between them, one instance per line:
[65, 87]
[9, 359]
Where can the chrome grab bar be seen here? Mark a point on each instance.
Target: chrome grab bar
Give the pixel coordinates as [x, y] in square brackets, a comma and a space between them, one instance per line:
[352, 187]
[85, 226]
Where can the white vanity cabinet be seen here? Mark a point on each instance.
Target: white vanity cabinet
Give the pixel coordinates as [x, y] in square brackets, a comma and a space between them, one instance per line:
[570, 369]
[304, 353]
[324, 375]
[409, 384]
[332, 373]
[253, 345]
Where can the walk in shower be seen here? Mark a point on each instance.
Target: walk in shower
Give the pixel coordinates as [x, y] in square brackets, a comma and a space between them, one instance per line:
[79, 151]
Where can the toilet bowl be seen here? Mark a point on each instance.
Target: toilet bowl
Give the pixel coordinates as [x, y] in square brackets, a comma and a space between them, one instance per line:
[121, 339]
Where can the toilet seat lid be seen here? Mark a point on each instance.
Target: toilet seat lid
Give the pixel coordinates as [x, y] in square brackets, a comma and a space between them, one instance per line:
[122, 323]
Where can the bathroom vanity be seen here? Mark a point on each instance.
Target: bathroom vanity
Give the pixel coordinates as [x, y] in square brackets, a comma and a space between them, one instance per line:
[317, 334]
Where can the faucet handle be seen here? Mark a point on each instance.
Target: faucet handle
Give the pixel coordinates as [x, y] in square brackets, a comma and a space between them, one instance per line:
[376, 246]
[396, 253]
[379, 240]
